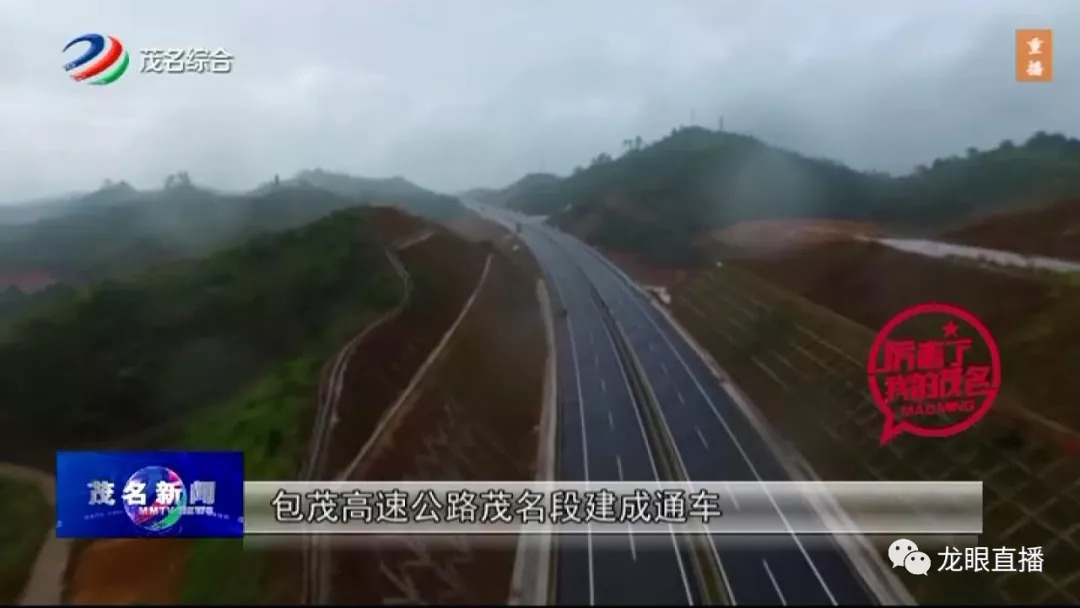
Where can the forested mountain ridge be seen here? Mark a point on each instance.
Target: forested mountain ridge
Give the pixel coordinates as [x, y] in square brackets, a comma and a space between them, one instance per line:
[657, 199]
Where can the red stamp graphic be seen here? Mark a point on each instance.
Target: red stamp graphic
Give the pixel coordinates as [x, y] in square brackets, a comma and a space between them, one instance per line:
[934, 371]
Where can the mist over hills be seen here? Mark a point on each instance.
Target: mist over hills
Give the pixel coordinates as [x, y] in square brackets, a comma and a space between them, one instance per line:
[500, 197]
[387, 191]
[26, 212]
[117, 228]
[658, 199]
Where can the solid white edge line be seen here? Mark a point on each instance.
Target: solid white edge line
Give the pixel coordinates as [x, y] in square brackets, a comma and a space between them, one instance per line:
[772, 579]
[738, 446]
[533, 591]
[637, 414]
[584, 435]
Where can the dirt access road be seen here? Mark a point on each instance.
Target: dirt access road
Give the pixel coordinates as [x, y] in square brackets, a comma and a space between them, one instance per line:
[46, 579]
[330, 390]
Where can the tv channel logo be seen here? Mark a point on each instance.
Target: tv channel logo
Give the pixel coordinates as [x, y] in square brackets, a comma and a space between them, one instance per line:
[103, 61]
[186, 61]
[141, 494]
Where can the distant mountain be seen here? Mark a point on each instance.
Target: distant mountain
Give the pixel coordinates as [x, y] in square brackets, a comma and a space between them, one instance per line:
[110, 193]
[954, 190]
[499, 197]
[479, 195]
[395, 191]
[36, 210]
[28, 212]
[658, 199]
[102, 236]
[117, 229]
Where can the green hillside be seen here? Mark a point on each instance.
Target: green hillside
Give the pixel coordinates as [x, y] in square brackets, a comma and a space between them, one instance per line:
[121, 357]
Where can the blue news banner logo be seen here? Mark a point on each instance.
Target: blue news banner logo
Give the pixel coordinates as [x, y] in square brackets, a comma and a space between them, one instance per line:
[149, 494]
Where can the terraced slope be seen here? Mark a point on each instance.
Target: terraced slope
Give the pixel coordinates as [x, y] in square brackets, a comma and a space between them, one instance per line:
[443, 270]
[475, 417]
[803, 365]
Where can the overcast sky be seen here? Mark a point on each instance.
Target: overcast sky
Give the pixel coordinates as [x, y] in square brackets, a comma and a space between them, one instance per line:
[459, 93]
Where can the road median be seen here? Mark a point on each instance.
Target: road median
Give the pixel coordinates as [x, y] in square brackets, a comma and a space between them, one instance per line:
[706, 569]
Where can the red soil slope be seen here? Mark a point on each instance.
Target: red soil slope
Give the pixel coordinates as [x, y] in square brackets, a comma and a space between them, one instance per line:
[1052, 231]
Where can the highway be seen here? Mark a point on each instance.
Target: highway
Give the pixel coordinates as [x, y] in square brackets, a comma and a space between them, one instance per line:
[716, 442]
[713, 438]
[602, 437]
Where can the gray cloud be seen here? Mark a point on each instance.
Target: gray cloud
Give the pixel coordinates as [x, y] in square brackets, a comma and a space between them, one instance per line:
[479, 92]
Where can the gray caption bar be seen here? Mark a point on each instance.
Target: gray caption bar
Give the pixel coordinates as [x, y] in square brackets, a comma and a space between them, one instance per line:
[537, 508]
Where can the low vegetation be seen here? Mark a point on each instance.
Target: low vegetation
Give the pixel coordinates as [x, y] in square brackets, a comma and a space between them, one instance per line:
[270, 424]
[804, 368]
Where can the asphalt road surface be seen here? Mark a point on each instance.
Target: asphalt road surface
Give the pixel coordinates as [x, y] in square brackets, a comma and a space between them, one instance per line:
[602, 437]
[715, 441]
